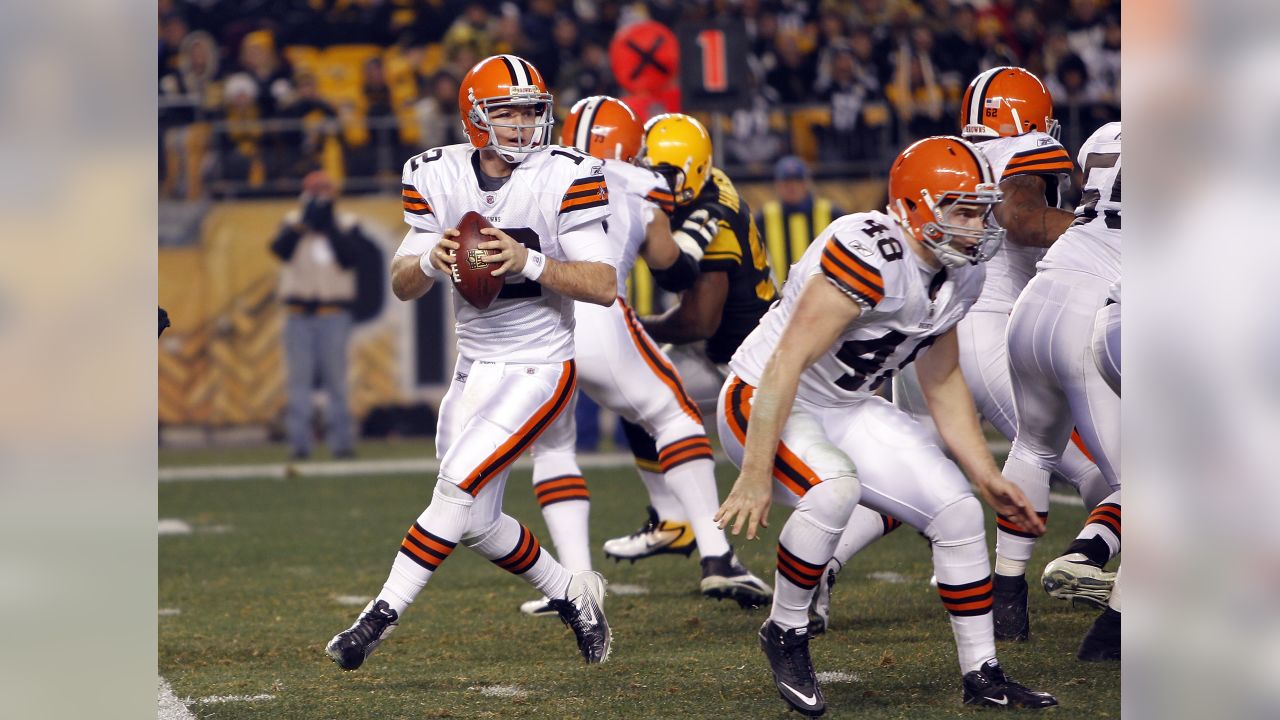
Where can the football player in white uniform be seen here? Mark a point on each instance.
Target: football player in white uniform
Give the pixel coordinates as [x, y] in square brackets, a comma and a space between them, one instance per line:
[1057, 384]
[1084, 558]
[622, 369]
[515, 370]
[733, 289]
[1008, 114]
[799, 416]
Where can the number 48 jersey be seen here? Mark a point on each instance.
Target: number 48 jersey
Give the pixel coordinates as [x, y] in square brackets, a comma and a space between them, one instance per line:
[549, 194]
[905, 304]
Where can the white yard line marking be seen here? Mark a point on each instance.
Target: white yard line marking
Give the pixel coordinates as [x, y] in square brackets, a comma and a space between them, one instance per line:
[169, 612]
[214, 699]
[362, 468]
[888, 576]
[624, 589]
[836, 676]
[360, 600]
[501, 691]
[173, 526]
[367, 468]
[170, 707]
[1064, 499]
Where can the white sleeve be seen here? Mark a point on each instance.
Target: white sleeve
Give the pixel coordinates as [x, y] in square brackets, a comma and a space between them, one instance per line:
[417, 242]
[589, 243]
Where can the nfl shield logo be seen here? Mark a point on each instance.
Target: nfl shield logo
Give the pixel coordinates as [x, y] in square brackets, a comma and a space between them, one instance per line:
[489, 199]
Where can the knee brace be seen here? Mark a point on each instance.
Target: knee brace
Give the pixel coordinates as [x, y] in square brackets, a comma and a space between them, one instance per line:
[959, 523]
[831, 502]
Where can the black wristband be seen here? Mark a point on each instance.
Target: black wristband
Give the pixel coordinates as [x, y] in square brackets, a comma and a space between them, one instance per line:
[680, 276]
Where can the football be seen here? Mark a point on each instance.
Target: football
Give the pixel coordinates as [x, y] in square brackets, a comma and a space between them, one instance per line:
[471, 273]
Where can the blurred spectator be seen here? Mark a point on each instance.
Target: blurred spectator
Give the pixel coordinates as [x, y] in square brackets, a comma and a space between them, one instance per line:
[241, 140]
[860, 118]
[991, 43]
[173, 30]
[832, 29]
[919, 54]
[186, 96]
[1085, 27]
[437, 112]
[563, 60]
[474, 28]
[303, 144]
[508, 39]
[590, 75]
[1106, 65]
[875, 67]
[1071, 85]
[958, 43]
[752, 141]
[538, 23]
[916, 94]
[795, 72]
[377, 94]
[319, 248]
[1026, 37]
[789, 223]
[259, 60]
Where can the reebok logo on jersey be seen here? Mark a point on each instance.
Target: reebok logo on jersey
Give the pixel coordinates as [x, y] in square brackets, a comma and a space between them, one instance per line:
[1045, 141]
[860, 249]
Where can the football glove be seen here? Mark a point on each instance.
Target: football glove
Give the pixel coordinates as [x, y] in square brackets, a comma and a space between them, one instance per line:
[696, 232]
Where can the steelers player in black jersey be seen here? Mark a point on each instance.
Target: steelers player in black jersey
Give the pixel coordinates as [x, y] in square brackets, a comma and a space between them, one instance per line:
[730, 292]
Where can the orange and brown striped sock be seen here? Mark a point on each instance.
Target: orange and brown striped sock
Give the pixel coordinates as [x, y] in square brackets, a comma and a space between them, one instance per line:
[566, 508]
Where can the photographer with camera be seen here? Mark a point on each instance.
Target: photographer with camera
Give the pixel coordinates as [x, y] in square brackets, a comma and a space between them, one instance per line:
[319, 249]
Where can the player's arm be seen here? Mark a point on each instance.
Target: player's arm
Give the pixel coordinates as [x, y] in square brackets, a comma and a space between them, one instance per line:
[673, 257]
[1025, 213]
[951, 406]
[421, 259]
[696, 316]
[588, 276]
[821, 313]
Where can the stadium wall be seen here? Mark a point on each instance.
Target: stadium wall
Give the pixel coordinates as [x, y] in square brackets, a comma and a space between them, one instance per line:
[222, 363]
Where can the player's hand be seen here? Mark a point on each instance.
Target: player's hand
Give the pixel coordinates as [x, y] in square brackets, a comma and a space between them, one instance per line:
[697, 230]
[510, 254]
[445, 254]
[1008, 499]
[748, 502]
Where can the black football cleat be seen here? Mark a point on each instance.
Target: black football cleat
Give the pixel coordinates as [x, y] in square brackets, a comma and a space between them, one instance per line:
[988, 686]
[724, 576]
[1102, 642]
[1009, 609]
[352, 646]
[583, 612]
[788, 655]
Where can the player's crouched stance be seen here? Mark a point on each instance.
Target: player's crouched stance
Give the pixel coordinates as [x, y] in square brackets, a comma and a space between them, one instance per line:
[799, 414]
[515, 372]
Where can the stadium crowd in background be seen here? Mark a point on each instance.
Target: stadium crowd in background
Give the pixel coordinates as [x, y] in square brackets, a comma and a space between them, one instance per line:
[250, 100]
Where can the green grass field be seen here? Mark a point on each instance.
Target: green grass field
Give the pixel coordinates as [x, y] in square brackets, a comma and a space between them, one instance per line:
[249, 598]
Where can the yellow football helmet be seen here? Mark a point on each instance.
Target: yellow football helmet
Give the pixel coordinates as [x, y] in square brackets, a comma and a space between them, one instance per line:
[678, 147]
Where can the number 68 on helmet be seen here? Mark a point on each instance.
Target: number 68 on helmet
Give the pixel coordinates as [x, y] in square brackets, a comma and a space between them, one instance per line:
[941, 192]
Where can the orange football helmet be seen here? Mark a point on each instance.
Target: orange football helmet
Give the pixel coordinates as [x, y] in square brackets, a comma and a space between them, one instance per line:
[928, 181]
[505, 81]
[1006, 102]
[603, 127]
